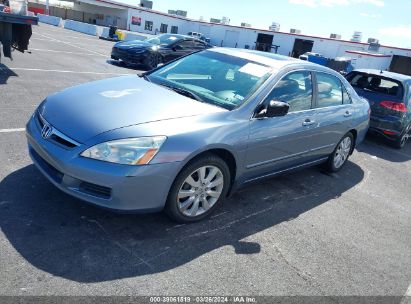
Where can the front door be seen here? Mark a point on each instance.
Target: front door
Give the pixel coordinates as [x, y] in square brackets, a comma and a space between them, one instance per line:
[180, 49]
[281, 142]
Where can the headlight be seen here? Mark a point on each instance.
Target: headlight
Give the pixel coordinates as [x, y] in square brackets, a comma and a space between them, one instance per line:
[130, 151]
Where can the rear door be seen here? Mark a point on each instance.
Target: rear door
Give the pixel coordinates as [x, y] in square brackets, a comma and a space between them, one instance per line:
[334, 111]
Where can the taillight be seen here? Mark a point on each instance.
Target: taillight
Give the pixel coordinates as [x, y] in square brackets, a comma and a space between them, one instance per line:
[389, 132]
[395, 106]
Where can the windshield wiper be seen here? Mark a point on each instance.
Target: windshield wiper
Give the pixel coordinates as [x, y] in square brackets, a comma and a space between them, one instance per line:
[184, 92]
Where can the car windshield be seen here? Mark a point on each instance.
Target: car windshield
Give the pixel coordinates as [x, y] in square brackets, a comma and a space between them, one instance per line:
[163, 40]
[219, 79]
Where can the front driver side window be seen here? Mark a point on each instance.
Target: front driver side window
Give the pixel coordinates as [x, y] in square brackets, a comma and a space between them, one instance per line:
[296, 89]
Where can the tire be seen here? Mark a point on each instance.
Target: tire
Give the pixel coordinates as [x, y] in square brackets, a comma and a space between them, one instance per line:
[341, 153]
[151, 61]
[189, 199]
[400, 142]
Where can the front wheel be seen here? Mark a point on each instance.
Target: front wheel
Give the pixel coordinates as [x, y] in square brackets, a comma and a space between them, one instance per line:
[151, 61]
[198, 189]
[341, 153]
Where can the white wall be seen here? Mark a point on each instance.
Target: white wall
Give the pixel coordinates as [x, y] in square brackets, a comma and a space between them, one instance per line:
[233, 36]
[157, 20]
[110, 14]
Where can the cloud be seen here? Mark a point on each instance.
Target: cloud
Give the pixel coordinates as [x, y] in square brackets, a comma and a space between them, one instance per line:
[403, 31]
[332, 3]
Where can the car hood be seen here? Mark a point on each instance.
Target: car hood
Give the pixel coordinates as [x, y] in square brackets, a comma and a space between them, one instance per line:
[133, 44]
[85, 111]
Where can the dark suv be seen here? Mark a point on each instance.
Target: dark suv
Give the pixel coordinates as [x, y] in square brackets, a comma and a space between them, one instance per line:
[389, 95]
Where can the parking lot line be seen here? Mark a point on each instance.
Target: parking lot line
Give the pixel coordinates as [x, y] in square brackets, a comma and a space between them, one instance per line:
[65, 52]
[407, 296]
[12, 130]
[64, 71]
[71, 44]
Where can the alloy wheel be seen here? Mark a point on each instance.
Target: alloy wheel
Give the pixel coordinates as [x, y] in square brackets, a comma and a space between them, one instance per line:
[342, 152]
[200, 191]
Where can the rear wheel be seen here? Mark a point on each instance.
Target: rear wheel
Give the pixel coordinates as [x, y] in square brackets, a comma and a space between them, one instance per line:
[198, 189]
[402, 140]
[341, 153]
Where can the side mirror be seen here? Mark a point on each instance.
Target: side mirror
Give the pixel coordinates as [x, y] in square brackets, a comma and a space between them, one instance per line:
[274, 108]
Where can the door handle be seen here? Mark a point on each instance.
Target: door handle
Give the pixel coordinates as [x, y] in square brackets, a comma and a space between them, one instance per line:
[347, 114]
[308, 122]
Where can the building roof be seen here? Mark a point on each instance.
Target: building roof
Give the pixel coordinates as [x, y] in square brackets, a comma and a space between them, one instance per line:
[368, 54]
[395, 76]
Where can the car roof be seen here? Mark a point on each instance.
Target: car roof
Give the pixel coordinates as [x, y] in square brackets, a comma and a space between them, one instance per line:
[392, 75]
[269, 59]
[180, 37]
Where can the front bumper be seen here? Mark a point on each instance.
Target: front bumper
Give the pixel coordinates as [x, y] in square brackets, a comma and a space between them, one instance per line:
[113, 186]
[128, 56]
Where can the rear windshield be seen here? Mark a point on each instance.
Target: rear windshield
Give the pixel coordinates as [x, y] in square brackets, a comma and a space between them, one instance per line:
[376, 84]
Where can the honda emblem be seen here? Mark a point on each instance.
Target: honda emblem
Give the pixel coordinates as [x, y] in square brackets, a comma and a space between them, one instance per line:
[46, 131]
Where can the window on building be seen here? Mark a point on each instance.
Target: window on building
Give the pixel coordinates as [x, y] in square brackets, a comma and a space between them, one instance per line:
[330, 91]
[294, 89]
[163, 28]
[149, 26]
[174, 29]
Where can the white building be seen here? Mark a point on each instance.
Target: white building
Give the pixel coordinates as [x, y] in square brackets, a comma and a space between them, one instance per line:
[148, 21]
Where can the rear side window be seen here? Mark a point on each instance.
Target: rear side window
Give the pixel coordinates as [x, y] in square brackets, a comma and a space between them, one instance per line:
[375, 83]
[330, 91]
[199, 44]
[294, 89]
[186, 44]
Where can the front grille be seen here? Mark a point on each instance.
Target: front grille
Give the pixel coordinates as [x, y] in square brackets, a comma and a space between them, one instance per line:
[55, 174]
[56, 136]
[62, 141]
[95, 190]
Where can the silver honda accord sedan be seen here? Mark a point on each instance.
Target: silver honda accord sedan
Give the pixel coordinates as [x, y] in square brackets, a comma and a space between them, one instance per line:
[185, 135]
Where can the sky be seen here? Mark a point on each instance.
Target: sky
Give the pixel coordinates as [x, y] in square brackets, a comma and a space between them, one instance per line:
[387, 20]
